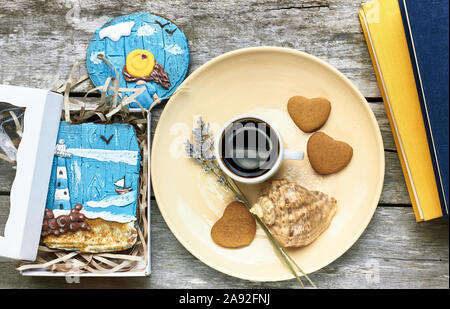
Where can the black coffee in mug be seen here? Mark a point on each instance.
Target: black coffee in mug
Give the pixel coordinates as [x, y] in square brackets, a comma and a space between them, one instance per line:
[249, 147]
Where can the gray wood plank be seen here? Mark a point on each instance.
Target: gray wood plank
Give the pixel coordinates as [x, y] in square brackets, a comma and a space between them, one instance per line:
[394, 190]
[394, 187]
[7, 174]
[40, 40]
[377, 107]
[393, 252]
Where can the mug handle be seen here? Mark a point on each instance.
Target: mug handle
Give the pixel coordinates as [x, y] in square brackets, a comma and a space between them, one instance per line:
[293, 154]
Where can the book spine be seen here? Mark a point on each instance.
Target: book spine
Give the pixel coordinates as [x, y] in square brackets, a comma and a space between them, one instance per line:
[423, 106]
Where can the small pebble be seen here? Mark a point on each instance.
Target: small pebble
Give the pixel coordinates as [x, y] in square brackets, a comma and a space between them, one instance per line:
[63, 223]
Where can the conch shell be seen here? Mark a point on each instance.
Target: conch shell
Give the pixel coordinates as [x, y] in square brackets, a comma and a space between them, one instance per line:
[294, 215]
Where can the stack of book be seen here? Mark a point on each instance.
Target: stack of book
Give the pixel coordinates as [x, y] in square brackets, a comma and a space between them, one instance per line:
[408, 41]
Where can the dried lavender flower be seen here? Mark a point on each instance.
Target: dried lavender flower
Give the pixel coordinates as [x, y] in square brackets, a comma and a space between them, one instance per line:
[202, 151]
[189, 148]
[221, 180]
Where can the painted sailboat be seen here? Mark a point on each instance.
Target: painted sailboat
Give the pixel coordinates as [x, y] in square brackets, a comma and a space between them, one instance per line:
[121, 184]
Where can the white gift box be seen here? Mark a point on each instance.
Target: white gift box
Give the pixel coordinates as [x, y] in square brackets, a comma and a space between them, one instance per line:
[30, 186]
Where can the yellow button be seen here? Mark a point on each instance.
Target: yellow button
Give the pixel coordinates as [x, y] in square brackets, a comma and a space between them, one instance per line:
[140, 62]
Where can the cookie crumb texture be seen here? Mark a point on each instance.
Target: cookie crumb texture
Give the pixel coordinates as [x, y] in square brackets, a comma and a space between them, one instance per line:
[104, 236]
[236, 228]
[326, 155]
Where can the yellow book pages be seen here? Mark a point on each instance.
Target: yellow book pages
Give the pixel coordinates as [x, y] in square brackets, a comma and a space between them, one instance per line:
[383, 28]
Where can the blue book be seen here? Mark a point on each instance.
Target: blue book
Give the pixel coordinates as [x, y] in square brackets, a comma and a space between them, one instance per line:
[426, 26]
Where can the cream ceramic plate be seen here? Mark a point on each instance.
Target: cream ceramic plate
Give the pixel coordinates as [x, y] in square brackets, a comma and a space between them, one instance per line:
[260, 81]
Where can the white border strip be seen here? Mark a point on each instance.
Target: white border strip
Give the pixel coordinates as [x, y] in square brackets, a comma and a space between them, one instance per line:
[392, 115]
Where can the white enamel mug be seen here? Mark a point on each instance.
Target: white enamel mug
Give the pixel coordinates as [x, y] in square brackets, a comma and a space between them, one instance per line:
[268, 172]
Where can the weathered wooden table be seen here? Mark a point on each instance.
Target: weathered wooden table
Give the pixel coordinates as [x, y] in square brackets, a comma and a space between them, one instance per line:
[40, 40]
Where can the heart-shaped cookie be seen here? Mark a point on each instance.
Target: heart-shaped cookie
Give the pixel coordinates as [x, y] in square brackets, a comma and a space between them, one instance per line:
[309, 114]
[236, 228]
[326, 155]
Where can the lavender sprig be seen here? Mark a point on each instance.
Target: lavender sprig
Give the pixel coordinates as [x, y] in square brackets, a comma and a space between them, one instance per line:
[202, 151]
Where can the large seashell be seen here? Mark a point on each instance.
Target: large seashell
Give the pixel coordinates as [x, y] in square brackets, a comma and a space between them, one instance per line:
[294, 215]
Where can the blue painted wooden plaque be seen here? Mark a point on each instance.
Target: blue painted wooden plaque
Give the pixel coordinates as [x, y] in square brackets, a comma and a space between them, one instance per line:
[156, 34]
[96, 166]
